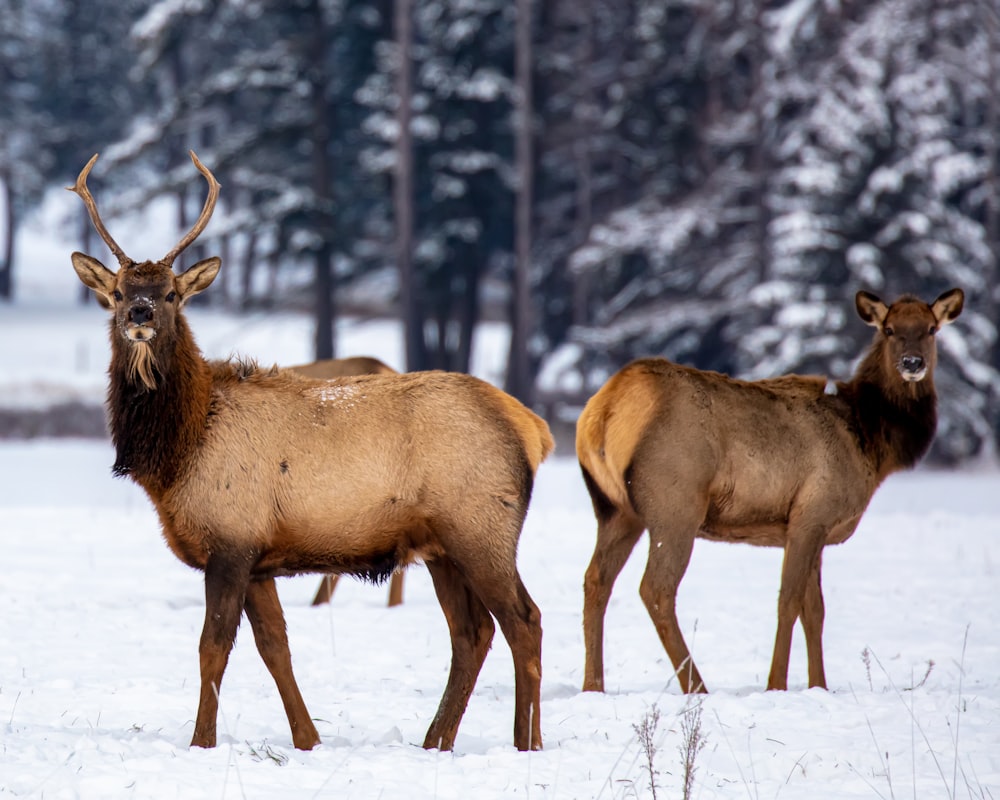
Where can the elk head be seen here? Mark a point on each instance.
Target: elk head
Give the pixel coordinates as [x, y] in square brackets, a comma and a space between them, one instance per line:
[907, 328]
[146, 296]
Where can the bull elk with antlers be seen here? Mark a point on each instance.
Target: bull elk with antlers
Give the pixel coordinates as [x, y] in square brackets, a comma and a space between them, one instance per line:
[261, 473]
[789, 462]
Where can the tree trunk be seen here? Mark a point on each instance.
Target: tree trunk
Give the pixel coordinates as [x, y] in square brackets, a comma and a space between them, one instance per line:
[519, 377]
[249, 269]
[409, 296]
[325, 334]
[588, 111]
[759, 159]
[7, 262]
[326, 342]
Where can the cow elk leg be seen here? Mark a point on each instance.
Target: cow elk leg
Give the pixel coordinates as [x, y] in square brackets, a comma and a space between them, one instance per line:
[801, 560]
[225, 590]
[616, 538]
[325, 591]
[471, 629]
[268, 622]
[812, 623]
[669, 554]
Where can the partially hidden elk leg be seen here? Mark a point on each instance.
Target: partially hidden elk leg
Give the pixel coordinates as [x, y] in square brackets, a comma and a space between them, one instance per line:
[471, 629]
[226, 582]
[799, 569]
[395, 589]
[617, 534]
[669, 554]
[268, 621]
[324, 593]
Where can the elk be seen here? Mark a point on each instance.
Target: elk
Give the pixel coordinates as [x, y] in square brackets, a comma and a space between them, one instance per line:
[327, 368]
[257, 474]
[330, 369]
[787, 462]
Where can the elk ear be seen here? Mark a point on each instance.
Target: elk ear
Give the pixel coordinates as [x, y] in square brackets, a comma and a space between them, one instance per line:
[96, 276]
[197, 278]
[948, 306]
[870, 308]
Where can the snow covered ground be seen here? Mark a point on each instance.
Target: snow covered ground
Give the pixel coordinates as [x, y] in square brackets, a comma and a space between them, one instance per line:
[99, 629]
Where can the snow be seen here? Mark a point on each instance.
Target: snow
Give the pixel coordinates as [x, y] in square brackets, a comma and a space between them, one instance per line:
[99, 628]
[98, 661]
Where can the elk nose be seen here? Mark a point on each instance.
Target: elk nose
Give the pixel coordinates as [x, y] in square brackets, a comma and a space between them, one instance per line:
[140, 314]
[912, 363]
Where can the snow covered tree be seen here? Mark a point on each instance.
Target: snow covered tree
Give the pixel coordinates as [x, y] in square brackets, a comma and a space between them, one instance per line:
[266, 92]
[462, 163]
[838, 147]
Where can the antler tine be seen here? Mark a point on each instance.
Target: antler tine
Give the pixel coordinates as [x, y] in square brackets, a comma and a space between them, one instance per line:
[206, 212]
[81, 189]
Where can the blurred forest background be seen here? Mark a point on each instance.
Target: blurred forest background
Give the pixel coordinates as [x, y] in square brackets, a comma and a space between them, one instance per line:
[709, 180]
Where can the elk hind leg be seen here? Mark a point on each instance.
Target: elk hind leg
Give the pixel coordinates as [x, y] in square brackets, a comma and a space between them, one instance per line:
[521, 623]
[471, 629]
[617, 533]
[268, 621]
[669, 554]
[226, 582]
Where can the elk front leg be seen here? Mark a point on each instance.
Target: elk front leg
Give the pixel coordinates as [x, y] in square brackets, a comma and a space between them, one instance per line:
[616, 538]
[813, 612]
[225, 590]
[268, 621]
[802, 553]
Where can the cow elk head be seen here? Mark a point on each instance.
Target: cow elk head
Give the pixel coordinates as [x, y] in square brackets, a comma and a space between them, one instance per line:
[909, 327]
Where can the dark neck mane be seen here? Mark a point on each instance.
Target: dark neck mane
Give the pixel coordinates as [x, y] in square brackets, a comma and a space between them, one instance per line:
[155, 431]
[895, 421]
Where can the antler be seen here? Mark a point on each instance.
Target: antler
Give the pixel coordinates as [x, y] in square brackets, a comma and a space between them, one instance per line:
[206, 212]
[81, 189]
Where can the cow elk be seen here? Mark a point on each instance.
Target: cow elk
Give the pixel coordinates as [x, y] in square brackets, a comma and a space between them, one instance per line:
[327, 369]
[788, 462]
[259, 473]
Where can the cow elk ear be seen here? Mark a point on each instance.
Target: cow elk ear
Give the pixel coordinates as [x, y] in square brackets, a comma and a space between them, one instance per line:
[96, 277]
[197, 278]
[871, 309]
[948, 306]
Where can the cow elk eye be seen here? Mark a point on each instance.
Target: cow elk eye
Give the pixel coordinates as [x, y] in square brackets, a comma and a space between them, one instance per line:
[118, 295]
[171, 296]
[933, 330]
[889, 331]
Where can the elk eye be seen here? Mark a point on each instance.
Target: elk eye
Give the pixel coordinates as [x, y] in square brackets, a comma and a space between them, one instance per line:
[171, 296]
[889, 331]
[933, 330]
[118, 295]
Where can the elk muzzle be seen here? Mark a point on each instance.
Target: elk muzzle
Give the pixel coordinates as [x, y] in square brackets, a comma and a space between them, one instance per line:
[138, 322]
[913, 368]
